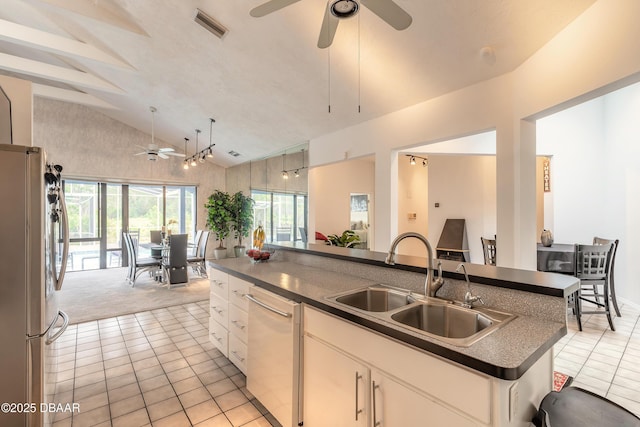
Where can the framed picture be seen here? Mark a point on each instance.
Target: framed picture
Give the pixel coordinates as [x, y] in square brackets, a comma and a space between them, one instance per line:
[5, 118]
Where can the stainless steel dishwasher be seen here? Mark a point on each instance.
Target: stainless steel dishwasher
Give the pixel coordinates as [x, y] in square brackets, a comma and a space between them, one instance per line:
[273, 366]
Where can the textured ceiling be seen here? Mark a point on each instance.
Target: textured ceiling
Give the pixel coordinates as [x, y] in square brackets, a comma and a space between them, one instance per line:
[265, 82]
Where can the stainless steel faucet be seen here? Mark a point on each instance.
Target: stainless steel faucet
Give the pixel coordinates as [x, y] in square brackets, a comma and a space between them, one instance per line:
[431, 285]
[469, 298]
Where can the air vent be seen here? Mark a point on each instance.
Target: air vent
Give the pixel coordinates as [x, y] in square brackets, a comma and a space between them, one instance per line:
[210, 24]
[234, 153]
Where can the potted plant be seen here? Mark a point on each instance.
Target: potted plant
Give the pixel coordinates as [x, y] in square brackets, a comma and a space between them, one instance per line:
[241, 219]
[347, 239]
[219, 219]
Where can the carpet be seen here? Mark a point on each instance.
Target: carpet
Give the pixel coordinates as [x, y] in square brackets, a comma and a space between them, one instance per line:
[98, 294]
[561, 380]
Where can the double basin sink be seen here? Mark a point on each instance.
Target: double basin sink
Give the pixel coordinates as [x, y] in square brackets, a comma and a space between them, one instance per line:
[440, 319]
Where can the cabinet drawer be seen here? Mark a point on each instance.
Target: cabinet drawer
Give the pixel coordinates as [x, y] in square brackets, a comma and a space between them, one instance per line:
[237, 289]
[219, 283]
[238, 353]
[219, 336]
[238, 322]
[218, 309]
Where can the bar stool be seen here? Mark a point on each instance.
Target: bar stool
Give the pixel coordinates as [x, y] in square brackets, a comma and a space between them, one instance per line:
[574, 406]
[592, 264]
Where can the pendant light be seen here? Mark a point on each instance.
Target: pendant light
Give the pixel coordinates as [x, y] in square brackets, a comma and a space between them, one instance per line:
[185, 164]
[211, 144]
[194, 163]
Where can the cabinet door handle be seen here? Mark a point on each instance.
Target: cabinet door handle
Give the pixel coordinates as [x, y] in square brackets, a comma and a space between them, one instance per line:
[216, 337]
[374, 387]
[238, 356]
[237, 324]
[358, 410]
[217, 310]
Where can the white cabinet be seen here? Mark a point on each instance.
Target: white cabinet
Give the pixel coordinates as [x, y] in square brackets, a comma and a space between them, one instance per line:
[360, 395]
[228, 318]
[405, 386]
[335, 387]
[219, 310]
[238, 322]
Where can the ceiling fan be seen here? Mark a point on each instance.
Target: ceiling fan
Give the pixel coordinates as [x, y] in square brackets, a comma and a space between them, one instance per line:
[152, 150]
[387, 10]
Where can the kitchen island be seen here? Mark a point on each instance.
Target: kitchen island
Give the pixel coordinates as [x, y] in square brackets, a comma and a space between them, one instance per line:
[518, 353]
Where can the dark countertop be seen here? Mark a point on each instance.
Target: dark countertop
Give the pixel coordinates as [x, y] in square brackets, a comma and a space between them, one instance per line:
[507, 353]
[559, 285]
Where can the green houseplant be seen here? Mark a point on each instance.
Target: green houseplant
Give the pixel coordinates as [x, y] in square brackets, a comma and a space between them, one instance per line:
[347, 239]
[219, 219]
[241, 219]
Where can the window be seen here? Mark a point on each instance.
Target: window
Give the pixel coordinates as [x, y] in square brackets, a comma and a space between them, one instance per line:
[281, 215]
[99, 212]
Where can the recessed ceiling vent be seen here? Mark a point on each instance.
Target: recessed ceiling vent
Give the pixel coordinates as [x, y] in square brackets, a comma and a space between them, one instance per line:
[234, 153]
[210, 24]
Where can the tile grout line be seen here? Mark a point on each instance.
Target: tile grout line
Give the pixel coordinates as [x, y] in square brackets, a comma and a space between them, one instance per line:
[623, 352]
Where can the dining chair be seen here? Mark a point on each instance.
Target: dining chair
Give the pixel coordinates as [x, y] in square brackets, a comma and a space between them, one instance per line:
[138, 265]
[174, 261]
[612, 285]
[489, 250]
[197, 261]
[592, 264]
[195, 244]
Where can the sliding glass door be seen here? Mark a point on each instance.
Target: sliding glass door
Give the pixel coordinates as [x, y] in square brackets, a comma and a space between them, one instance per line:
[99, 212]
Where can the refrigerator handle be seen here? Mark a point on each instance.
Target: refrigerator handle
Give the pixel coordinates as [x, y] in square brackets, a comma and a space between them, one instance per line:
[65, 323]
[59, 278]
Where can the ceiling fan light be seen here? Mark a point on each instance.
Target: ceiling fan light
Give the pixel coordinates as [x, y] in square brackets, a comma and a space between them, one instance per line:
[344, 8]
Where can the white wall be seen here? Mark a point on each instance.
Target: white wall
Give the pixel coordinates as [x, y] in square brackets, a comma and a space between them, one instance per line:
[413, 197]
[330, 194]
[464, 187]
[589, 57]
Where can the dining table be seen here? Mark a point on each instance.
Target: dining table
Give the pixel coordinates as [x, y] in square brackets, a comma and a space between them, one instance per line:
[557, 258]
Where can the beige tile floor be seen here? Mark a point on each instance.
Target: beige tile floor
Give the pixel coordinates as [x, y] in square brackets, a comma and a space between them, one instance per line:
[154, 368]
[603, 361]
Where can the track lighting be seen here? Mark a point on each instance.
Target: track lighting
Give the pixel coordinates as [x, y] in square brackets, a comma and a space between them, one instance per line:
[412, 160]
[296, 171]
[200, 156]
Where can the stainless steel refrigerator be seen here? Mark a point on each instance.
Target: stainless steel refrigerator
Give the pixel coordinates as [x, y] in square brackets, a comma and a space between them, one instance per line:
[33, 251]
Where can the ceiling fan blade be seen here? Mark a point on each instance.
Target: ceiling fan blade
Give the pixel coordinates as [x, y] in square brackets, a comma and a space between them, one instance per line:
[163, 156]
[169, 153]
[166, 150]
[269, 7]
[140, 154]
[328, 29]
[389, 12]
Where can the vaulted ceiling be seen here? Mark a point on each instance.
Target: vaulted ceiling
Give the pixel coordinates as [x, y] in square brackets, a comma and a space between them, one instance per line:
[265, 82]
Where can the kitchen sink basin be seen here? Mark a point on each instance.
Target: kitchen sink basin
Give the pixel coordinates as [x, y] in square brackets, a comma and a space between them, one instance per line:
[439, 319]
[455, 324]
[447, 321]
[376, 299]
